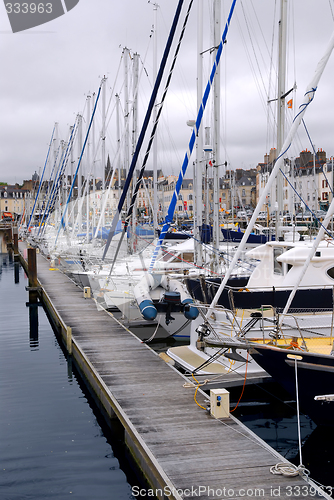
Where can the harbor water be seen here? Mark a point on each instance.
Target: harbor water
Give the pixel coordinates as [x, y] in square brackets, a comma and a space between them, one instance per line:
[56, 445]
[53, 445]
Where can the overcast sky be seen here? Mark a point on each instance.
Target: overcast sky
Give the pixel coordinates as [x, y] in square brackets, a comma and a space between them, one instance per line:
[48, 71]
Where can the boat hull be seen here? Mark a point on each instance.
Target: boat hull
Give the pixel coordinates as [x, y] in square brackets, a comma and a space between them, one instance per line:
[315, 374]
[310, 299]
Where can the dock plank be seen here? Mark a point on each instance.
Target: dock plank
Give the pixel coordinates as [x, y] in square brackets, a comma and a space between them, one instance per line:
[185, 444]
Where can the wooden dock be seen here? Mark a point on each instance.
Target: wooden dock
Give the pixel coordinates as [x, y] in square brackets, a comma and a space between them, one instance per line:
[181, 449]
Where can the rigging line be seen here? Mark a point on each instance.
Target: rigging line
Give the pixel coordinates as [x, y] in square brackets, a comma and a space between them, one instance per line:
[259, 24]
[53, 193]
[115, 80]
[79, 163]
[171, 209]
[271, 70]
[144, 127]
[308, 98]
[253, 48]
[41, 181]
[330, 6]
[248, 54]
[263, 99]
[119, 93]
[292, 16]
[67, 148]
[317, 157]
[115, 159]
[49, 189]
[301, 199]
[212, 358]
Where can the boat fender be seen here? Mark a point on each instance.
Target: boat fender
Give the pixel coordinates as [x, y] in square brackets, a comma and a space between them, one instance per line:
[141, 293]
[148, 310]
[190, 311]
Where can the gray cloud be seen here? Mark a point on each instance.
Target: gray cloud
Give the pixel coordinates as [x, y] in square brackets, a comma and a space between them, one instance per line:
[48, 71]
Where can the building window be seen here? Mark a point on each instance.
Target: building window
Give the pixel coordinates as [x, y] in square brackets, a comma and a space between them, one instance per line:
[190, 197]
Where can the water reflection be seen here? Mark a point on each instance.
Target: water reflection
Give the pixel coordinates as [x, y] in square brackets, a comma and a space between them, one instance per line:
[17, 267]
[52, 445]
[33, 323]
[317, 455]
[69, 369]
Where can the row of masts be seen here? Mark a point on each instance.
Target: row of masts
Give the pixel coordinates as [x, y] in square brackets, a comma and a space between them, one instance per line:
[205, 153]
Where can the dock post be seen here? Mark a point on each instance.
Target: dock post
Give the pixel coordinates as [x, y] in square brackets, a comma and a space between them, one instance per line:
[16, 271]
[32, 276]
[32, 267]
[69, 339]
[16, 244]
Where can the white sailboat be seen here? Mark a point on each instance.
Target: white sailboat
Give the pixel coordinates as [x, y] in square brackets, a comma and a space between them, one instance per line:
[223, 323]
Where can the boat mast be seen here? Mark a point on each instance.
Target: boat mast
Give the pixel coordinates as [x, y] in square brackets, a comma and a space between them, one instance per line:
[72, 175]
[118, 137]
[154, 118]
[87, 171]
[93, 171]
[103, 138]
[66, 184]
[308, 98]
[198, 213]
[126, 118]
[79, 191]
[216, 138]
[282, 35]
[134, 140]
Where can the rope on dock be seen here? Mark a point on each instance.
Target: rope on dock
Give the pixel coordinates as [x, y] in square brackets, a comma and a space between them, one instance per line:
[289, 470]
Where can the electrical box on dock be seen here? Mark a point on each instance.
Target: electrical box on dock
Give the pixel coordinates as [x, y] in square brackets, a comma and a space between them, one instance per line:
[219, 403]
[87, 292]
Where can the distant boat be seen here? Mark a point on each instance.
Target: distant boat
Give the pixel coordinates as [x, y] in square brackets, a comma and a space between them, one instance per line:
[175, 235]
[235, 236]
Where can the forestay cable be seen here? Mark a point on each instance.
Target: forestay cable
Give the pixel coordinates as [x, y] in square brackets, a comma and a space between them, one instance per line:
[144, 128]
[153, 133]
[171, 209]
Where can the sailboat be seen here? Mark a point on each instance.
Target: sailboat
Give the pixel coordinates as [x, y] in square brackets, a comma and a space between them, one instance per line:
[220, 322]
